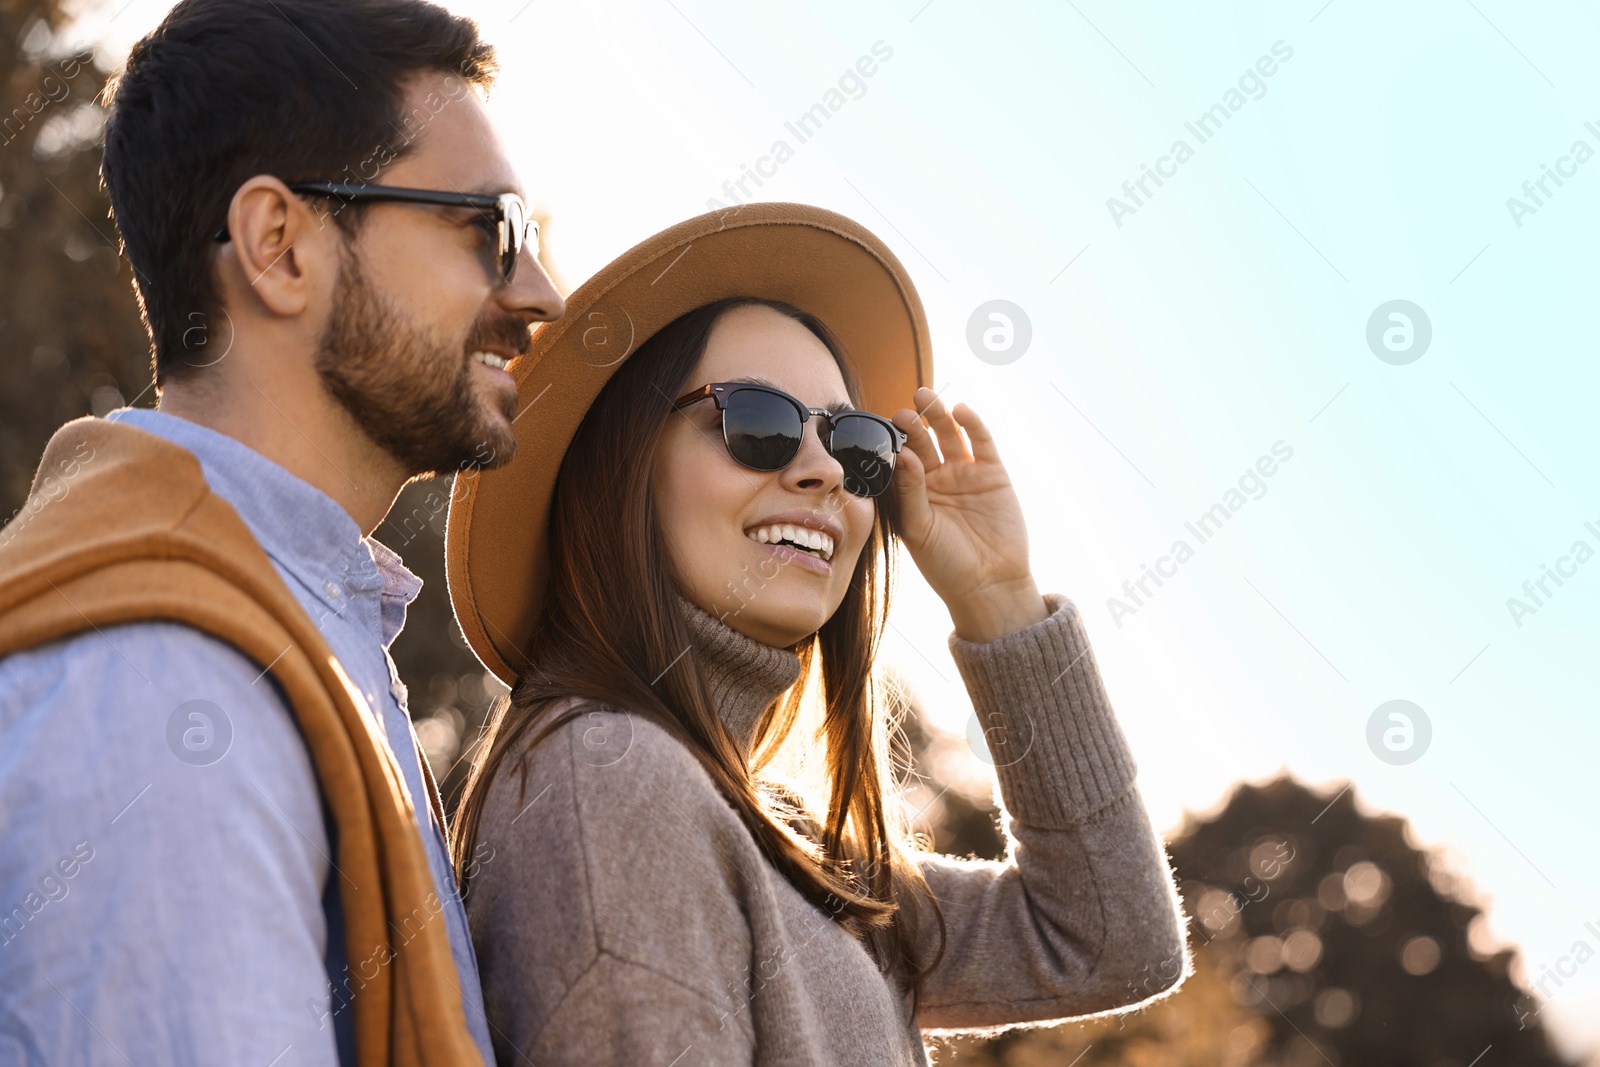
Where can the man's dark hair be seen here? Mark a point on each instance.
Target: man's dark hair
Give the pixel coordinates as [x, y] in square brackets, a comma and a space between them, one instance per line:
[222, 90]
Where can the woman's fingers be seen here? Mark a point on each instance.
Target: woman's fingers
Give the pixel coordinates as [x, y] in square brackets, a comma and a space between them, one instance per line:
[918, 439]
[957, 433]
[951, 442]
[984, 449]
[911, 489]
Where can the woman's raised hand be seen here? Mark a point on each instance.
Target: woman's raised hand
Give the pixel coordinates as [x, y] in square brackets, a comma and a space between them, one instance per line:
[961, 521]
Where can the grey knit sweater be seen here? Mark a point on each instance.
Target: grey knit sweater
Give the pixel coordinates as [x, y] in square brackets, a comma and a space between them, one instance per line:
[622, 913]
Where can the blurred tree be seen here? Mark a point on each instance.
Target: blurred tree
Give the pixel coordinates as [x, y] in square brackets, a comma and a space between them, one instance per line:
[1321, 936]
[69, 326]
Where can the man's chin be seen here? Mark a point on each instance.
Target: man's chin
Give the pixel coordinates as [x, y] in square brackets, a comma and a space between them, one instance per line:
[495, 443]
[499, 455]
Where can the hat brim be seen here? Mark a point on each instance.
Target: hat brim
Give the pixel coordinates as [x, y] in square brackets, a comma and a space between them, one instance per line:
[497, 533]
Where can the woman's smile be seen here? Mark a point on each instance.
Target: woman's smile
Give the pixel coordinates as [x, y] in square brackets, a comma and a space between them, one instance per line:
[804, 539]
[803, 558]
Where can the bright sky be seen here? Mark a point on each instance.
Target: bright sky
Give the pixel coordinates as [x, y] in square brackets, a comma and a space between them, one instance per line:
[1178, 339]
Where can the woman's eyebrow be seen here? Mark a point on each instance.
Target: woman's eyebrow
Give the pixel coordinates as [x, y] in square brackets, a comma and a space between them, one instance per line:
[832, 409]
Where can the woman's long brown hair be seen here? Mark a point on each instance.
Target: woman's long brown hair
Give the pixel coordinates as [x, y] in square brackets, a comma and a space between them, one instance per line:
[612, 626]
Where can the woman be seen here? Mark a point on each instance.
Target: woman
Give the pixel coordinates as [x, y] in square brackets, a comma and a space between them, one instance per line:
[721, 512]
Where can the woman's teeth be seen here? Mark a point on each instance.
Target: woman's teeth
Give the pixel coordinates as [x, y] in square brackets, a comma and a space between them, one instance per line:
[803, 537]
[497, 362]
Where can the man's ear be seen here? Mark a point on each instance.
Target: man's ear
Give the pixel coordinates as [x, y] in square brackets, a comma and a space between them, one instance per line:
[280, 247]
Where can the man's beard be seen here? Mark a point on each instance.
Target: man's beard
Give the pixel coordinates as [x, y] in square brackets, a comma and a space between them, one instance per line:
[409, 389]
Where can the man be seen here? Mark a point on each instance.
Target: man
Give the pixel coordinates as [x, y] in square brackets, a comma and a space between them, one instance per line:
[218, 843]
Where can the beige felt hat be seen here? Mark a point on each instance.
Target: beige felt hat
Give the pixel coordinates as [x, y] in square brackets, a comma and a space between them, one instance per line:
[496, 554]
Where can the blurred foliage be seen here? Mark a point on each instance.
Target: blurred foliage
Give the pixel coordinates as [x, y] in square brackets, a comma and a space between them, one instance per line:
[1321, 936]
[69, 326]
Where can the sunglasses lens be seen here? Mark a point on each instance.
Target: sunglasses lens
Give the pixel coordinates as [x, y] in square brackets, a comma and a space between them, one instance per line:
[864, 447]
[513, 224]
[763, 430]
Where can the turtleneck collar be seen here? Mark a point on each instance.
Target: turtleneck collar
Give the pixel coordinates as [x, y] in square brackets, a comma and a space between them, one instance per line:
[745, 676]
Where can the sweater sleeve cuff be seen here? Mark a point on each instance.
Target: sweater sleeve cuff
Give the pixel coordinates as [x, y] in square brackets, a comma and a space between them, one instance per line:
[1052, 736]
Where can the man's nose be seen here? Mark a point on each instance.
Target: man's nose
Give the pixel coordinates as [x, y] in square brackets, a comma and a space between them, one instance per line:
[531, 293]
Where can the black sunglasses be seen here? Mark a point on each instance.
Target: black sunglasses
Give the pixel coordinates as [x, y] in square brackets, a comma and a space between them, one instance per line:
[763, 428]
[505, 211]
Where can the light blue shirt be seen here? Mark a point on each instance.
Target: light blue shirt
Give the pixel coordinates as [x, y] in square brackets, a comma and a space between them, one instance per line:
[165, 870]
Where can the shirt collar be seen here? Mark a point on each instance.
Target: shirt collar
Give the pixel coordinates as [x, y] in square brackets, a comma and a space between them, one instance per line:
[305, 532]
[400, 587]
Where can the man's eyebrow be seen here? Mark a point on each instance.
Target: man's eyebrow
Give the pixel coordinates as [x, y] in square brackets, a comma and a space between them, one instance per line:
[832, 409]
[496, 192]
[493, 186]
